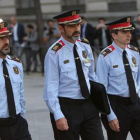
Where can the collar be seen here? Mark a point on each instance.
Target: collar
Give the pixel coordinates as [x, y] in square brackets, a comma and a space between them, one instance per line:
[1, 60]
[6, 58]
[119, 50]
[68, 44]
[84, 26]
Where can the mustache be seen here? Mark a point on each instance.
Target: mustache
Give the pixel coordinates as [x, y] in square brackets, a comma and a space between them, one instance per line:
[76, 32]
[5, 45]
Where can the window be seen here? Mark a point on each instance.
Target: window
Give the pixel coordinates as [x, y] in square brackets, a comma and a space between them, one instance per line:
[73, 4]
[25, 7]
[24, 3]
[122, 5]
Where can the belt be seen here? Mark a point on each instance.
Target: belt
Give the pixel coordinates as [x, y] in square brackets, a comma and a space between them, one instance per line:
[9, 120]
[65, 100]
[122, 100]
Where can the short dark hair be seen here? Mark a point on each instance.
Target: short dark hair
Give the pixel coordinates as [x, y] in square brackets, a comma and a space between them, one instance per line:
[30, 26]
[49, 20]
[113, 31]
[101, 18]
[82, 17]
[63, 25]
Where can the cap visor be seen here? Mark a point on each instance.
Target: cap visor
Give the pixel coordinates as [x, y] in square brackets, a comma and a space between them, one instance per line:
[7, 34]
[73, 22]
[128, 29]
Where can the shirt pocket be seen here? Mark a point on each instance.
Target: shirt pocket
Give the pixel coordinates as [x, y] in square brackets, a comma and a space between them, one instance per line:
[135, 72]
[117, 78]
[2, 91]
[2, 84]
[16, 83]
[116, 72]
[68, 72]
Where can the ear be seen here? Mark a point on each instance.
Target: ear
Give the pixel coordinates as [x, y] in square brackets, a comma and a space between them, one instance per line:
[61, 28]
[113, 35]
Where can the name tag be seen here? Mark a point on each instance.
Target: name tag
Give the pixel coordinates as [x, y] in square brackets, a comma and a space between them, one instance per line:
[115, 66]
[66, 61]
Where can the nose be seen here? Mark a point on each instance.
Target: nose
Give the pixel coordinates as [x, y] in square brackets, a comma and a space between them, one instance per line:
[77, 27]
[129, 33]
[6, 39]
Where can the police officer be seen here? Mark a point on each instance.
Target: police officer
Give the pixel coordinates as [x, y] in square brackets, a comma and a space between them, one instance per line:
[118, 68]
[69, 66]
[13, 125]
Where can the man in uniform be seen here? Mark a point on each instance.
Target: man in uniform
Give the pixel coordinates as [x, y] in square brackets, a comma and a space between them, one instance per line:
[118, 68]
[69, 66]
[13, 125]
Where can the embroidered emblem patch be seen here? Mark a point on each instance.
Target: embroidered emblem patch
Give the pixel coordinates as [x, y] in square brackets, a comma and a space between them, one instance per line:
[84, 54]
[134, 62]
[16, 71]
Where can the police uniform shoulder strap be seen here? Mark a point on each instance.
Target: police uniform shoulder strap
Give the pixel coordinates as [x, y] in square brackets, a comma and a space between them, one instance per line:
[133, 48]
[84, 40]
[15, 59]
[108, 50]
[58, 46]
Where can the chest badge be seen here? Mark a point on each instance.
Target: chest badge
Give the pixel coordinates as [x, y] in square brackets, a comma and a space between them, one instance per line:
[16, 71]
[66, 61]
[134, 62]
[84, 54]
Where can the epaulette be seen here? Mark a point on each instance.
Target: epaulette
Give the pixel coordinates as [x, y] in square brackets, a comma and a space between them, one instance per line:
[133, 48]
[85, 40]
[107, 51]
[15, 59]
[58, 46]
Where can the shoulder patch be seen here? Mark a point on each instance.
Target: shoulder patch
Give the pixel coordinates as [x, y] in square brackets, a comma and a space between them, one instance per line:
[133, 48]
[84, 40]
[14, 59]
[107, 51]
[58, 46]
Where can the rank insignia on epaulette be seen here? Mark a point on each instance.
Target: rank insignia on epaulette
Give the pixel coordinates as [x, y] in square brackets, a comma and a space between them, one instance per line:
[16, 71]
[85, 40]
[15, 59]
[134, 48]
[55, 47]
[58, 46]
[105, 52]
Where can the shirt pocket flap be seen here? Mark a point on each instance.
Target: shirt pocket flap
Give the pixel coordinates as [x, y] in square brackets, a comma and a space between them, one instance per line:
[67, 68]
[17, 79]
[117, 72]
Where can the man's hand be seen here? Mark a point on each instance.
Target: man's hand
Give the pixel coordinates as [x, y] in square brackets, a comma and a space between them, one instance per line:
[114, 125]
[62, 124]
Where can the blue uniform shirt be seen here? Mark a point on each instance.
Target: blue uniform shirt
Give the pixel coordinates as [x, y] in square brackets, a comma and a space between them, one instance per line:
[61, 78]
[111, 72]
[17, 86]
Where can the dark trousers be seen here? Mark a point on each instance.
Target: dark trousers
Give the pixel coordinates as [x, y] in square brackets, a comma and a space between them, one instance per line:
[30, 54]
[128, 115]
[83, 120]
[17, 131]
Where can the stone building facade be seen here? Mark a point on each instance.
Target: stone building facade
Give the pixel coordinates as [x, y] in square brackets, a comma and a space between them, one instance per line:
[91, 9]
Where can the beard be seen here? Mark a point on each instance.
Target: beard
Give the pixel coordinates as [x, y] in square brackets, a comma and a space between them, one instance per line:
[72, 37]
[5, 52]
